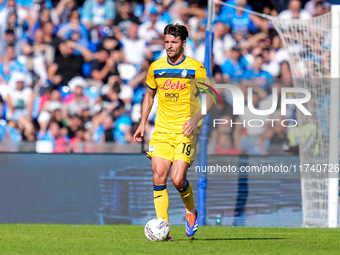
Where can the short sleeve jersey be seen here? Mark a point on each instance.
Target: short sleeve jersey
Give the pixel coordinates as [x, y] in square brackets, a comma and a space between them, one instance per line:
[178, 88]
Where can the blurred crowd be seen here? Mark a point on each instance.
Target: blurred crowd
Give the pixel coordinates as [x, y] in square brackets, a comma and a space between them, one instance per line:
[74, 71]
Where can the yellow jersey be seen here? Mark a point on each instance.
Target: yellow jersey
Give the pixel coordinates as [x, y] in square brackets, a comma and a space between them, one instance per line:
[177, 92]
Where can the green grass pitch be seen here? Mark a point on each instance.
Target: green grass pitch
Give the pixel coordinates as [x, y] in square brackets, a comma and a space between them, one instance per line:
[127, 239]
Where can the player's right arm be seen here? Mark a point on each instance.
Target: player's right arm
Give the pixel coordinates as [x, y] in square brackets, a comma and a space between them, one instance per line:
[147, 104]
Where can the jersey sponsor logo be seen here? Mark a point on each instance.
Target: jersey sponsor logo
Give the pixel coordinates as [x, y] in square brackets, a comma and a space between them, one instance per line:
[168, 84]
[171, 97]
[161, 73]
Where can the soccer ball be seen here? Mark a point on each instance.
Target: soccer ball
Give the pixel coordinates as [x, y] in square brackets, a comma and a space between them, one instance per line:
[157, 230]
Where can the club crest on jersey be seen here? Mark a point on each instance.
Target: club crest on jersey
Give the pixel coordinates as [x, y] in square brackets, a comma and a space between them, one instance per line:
[184, 73]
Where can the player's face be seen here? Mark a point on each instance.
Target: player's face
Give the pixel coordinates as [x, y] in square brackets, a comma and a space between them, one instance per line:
[174, 46]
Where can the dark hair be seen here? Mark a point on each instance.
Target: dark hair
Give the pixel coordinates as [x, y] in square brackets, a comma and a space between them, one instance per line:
[319, 3]
[9, 31]
[176, 30]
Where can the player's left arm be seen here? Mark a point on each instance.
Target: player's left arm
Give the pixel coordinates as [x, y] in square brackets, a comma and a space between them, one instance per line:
[190, 125]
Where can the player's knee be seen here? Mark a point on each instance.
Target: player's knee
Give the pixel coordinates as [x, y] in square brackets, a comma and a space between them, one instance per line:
[159, 178]
[178, 182]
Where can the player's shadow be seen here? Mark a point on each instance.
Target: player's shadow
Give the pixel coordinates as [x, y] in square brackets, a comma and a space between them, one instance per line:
[230, 239]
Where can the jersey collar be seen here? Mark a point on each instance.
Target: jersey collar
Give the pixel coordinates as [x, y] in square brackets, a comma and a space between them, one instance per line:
[177, 63]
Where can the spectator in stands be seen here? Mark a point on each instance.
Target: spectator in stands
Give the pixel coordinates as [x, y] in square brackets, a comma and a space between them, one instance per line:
[321, 8]
[49, 36]
[258, 77]
[142, 10]
[124, 19]
[36, 5]
[12, 7]
[55, 136]
[133, 93]
[10, 39]
[42, 48]
[45, 97]
[228, 9]
[97, 15]
[152, 32]
[295, 12]
[194, 17]
[219, 47]
[57, 111]
[76, 99]
[268, 33]
[225, 145]
[175, 9]
[123, 125]
[20, 100]
[10, 65]
[285, 75]
[110, 42]
[269, 63]
[74, 122]
[223, 135]
[134, 48]
[103, 130]
[13, 134]
[240, 21]
[234, 67]
[68, 65]
[112, 93]
[317, 7]
[108, 128]
[54, 100]
[29, 132]
[35, 64]
[12, 23]
[163, 13]
[104, 64]
[43, 17]
[219, 15]
[75, 142]
[86, 116]
[74, 30]
[61, 13]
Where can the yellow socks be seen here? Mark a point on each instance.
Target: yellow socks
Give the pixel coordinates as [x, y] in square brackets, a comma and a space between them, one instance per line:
[161, 201]
[187, 196]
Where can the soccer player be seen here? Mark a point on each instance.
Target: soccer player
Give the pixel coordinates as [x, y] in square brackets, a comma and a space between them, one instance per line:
[173, 144]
